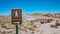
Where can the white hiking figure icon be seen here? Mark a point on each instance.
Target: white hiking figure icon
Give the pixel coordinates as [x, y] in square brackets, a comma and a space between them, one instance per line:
[16, 14]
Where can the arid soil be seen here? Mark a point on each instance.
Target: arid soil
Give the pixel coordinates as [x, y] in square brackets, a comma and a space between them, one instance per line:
[32, 24]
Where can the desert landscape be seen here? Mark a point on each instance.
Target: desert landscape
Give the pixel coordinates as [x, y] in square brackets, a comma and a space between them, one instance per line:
[37, 23]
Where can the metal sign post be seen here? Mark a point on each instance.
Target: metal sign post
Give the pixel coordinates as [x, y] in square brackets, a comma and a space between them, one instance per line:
[16, 17]
[16, 28]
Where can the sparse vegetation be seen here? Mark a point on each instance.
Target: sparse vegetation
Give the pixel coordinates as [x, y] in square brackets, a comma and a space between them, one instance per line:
[28, 25]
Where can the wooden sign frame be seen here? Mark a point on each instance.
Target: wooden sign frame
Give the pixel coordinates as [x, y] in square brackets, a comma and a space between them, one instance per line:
[16, 17]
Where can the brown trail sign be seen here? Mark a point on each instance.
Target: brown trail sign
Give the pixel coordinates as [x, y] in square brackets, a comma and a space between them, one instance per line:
[16, 15]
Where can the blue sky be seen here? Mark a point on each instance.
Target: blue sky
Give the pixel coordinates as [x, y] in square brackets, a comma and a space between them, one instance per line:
[30, 6]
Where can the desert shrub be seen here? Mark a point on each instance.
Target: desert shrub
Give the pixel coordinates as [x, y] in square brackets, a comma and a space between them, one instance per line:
[3, 26]
[53, 26]
[42, 22]
[58, 24]
[34, 26]
[49, 20]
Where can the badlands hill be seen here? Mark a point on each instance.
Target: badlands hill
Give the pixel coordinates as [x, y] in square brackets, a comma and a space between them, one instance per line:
[48, 15]
[32, 24]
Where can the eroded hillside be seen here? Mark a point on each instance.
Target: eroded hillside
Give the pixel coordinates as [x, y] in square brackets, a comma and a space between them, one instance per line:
[32, 24]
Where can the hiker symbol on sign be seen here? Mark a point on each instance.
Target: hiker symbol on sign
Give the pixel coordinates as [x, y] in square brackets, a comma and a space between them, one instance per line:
[16, 16]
